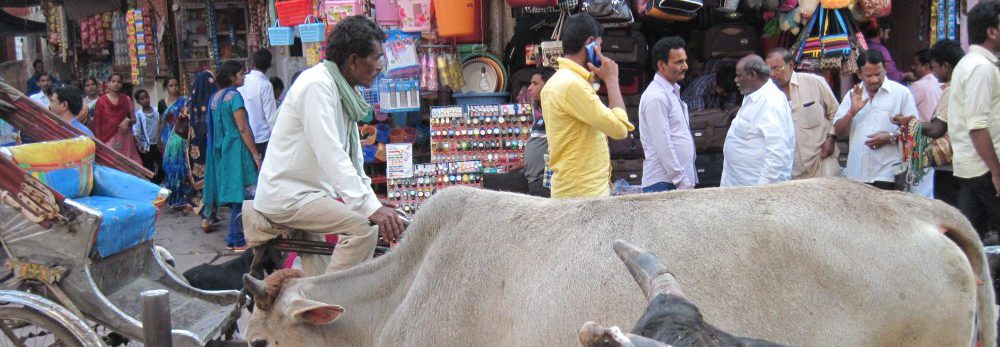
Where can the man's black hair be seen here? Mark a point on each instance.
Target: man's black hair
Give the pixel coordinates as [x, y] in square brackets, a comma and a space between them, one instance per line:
[36, 62]
[72, 96]
[356, 35]
[576, 30]
[923, 56]
[227, 73]
[262, 59]
[139, 92]
[44, 74]
[726, 78]
[662, 48]
[277, 84]
[545, 72]
[947, 51]
[983, 16]
[870, 56]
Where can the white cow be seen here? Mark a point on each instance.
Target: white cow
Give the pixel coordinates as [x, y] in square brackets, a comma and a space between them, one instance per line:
[823, 262]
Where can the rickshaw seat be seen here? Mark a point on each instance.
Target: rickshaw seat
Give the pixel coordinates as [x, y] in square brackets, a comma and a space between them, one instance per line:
[126, 202]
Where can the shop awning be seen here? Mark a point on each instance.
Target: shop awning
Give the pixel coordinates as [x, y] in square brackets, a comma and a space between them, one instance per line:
[11, 25]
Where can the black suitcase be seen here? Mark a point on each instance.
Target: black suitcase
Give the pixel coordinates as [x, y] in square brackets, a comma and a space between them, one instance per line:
[709, 169]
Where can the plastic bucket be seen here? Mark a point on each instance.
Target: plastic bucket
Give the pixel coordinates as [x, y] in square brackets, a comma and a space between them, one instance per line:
[280, 36]
[455, 17]
[368, 151]
[477, 26]
[403, 135]
[382, 133]
[314, 31]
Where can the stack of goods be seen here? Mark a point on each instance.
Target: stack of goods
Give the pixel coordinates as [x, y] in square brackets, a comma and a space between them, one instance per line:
[428, 179]
[140, 40]
[95, 32]
[55, 21]
[493, 134]
[119, 29]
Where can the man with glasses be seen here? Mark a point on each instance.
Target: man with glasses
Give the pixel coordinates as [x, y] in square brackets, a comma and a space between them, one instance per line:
[813, 107]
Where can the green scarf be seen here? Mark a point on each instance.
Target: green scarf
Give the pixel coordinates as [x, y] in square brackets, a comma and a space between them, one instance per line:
[355, 108]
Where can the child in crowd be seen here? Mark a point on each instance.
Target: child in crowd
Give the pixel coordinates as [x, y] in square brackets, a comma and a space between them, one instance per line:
[147, 135]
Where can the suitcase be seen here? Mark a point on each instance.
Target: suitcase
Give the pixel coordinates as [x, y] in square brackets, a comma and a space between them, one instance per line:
[629, 170]
[631, 80]
[625, 47]
[628, 148]
[709, 169]
[731, 40]
[709, 128]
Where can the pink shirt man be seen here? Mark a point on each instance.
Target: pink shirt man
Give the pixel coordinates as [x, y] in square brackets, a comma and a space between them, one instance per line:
[926, 92]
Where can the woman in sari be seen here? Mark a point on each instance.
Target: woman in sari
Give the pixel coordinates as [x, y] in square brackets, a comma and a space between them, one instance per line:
[197, 109]
[233, 159]
[92, 91]
[176, 166]
[170, 107]
[113, 119]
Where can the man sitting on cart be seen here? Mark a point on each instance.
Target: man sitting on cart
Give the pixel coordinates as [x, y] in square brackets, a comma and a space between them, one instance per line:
[313, 178]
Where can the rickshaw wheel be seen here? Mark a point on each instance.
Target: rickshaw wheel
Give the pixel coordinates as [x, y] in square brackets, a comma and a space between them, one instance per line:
[20, 326]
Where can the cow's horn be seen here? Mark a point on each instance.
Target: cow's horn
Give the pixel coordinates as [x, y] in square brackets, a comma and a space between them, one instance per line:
[648, 271]
[595, 335]
[257, 290]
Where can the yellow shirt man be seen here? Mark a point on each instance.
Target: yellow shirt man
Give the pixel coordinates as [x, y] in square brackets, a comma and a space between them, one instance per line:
[578, 125]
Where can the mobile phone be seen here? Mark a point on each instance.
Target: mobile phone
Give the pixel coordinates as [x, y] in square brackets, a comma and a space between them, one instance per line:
[592, 54]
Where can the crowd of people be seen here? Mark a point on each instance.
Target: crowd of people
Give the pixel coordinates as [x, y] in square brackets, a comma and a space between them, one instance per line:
[206, 147]
[789, 121]
[217, 146]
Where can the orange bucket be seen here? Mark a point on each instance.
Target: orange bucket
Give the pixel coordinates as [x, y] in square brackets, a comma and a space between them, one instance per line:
[455, 17]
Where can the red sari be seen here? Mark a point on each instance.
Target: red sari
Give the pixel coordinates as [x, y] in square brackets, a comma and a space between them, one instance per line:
[107, 117]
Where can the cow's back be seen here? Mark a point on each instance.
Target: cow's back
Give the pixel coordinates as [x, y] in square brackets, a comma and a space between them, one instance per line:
[807, 263]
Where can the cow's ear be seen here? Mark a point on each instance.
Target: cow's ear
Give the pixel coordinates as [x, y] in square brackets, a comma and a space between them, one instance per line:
[313, 312]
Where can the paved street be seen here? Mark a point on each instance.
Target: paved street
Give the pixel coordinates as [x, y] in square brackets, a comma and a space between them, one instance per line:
[183, 237]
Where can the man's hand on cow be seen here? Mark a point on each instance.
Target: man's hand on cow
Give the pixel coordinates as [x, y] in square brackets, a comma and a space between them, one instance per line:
[827, 150]
[877, 140]
[390, 226]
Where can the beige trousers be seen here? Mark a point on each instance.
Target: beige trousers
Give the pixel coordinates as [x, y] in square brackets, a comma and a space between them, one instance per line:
[356, 238]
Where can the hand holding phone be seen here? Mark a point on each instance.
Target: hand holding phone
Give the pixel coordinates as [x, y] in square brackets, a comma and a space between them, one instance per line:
[592, 54]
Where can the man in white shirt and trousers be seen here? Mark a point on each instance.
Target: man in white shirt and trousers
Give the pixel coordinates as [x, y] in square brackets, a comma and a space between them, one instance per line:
[866, 116]
[761, 140]
[315, 157]
[258, 97]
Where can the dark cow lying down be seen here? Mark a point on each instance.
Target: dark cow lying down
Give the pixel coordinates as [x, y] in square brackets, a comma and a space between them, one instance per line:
[669, 320]
[228, 275]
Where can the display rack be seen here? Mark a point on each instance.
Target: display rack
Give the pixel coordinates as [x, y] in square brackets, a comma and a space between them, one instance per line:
[194, 35]
[409, 193]
[492, 134]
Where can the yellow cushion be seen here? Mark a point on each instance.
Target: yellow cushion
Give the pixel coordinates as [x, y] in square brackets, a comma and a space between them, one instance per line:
[65, 165]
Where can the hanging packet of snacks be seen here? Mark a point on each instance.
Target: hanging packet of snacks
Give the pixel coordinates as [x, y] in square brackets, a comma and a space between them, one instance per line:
[429, 74]
[450, 71]
[401, 54]
[133, 53]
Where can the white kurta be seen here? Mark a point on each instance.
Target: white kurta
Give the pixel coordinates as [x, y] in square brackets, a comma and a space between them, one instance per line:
[308, 155]
[761, 141]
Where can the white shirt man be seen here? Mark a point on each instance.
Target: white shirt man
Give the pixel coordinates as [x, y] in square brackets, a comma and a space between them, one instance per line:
[258, 97]
[761, 140]
[881, 163]
[41, 99]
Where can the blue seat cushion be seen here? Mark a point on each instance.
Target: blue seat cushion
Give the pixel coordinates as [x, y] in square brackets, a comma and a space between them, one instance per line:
[126, 223]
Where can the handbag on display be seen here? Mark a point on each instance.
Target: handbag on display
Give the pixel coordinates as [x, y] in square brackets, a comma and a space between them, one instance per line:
[836, 4]
[876, 8]
[608, 11]
[680, 5]
[552, 50]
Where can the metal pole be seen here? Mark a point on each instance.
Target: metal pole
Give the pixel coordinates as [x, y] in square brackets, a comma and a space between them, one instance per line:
[156, 318]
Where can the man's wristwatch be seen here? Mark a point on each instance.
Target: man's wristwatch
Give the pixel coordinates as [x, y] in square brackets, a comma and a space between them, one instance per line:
[893, 137]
